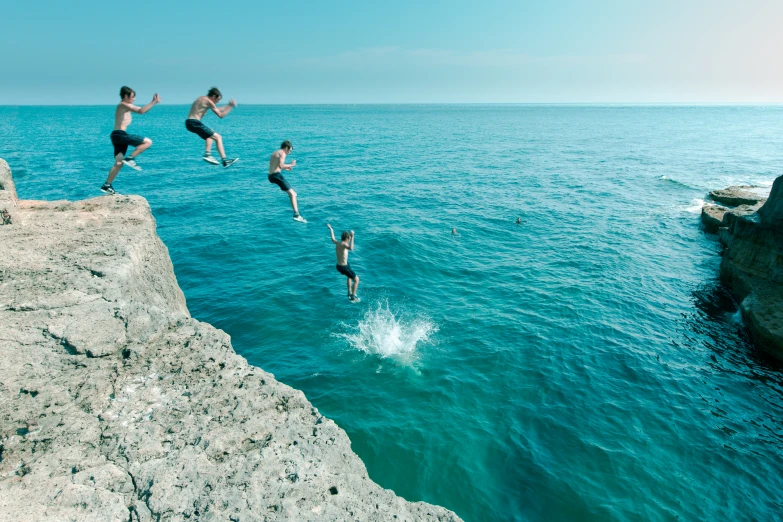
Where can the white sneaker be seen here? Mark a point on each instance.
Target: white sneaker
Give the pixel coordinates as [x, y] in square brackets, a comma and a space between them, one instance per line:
[209, 159]
[131, 163]
[298, 217]
[354, 299]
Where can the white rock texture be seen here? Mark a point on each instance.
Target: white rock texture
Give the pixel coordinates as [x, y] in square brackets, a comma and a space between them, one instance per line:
[116, 405]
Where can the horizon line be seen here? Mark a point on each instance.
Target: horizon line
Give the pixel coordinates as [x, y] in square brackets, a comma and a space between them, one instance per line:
[618, 103]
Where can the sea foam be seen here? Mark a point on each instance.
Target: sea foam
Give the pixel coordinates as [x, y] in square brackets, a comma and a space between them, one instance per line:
[388, 334]
[695, 206]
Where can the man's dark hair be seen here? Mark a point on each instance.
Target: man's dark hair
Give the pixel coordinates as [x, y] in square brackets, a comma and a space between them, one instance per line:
[345, 236]
[214, 91]
[126, 91]
[286, 145]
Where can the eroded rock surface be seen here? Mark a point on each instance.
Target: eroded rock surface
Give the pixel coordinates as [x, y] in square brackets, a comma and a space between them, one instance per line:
[740, 195]
[712, 216]
[752, 266]
[117, 405]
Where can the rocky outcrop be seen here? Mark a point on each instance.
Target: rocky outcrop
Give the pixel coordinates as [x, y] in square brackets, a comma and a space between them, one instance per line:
[712, 216]
[752, 267]
[740, 195]
[8, 199]
[772, 211]
[716, 216]
[117, 405]
[744, 199]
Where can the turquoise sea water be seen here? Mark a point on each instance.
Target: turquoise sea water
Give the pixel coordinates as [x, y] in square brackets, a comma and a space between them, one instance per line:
[584, 365]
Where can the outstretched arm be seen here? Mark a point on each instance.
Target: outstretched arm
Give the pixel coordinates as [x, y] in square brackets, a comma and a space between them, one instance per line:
[142, 110]
[332, 232]
[350, 246]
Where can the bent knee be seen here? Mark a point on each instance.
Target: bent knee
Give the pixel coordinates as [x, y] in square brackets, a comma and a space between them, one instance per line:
[216, 136]
[291, 191]
[356, 279]
[148, 141]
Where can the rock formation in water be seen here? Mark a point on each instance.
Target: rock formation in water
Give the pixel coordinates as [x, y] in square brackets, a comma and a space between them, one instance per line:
[117, 405]
[752, 265]
[744, 200]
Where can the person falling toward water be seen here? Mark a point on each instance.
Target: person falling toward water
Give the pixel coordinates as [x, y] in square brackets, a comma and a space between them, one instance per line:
[194, 125]
[341, 249]
[122, 140]
[276, 164]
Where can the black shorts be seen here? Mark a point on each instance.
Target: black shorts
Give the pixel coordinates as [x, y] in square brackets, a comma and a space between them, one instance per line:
[347, 271]
[196, 127]
[278, 179]
[121, 140]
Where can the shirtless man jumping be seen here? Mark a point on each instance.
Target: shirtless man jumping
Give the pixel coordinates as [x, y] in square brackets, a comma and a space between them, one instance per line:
[194, 125]
[341, 249]
[276, 164]
[121, 139]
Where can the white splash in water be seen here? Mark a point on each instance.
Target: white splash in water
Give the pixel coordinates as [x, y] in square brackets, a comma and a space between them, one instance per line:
[695, 206]
[381, 332]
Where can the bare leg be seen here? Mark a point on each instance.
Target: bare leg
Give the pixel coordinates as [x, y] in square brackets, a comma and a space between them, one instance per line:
[355, 285]
[209, 141]
[115, 169]
[141, 148]
[348, 284]
[292, 195]
[219, 140]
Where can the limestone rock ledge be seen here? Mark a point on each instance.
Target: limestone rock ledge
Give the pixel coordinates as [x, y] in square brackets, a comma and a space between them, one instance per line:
[115, 404]
[752, 265]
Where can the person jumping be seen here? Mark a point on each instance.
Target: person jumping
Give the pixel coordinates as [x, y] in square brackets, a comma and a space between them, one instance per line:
[341, 249]
[276, 165]
[194, 125]
[122, 140]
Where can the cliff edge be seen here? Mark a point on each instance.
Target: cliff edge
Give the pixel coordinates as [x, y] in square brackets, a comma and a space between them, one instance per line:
[752, 265]
[117, 405]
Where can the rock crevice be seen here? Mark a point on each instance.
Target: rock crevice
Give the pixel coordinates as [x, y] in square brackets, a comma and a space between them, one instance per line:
[117, 405]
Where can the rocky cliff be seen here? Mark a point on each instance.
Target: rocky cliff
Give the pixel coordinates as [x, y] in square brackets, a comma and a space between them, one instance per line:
[115, 404]
[752, 265]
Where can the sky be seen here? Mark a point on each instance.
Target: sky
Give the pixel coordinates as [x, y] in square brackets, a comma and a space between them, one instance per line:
[457, 51]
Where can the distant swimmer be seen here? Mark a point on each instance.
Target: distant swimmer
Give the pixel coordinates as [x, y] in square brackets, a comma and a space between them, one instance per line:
[276, 164]
[122, 140]
[194, 125]
[341, 249]
[453, 231]
[519, 221]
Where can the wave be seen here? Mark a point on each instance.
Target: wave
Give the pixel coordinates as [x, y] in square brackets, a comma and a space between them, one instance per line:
[386, 334]
[694, 207]
[676, 182]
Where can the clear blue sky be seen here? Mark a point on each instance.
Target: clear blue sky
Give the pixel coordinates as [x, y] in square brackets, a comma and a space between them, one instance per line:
[560, 51]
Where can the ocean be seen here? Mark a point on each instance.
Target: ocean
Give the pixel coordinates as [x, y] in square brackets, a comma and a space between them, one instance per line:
[583, 365]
